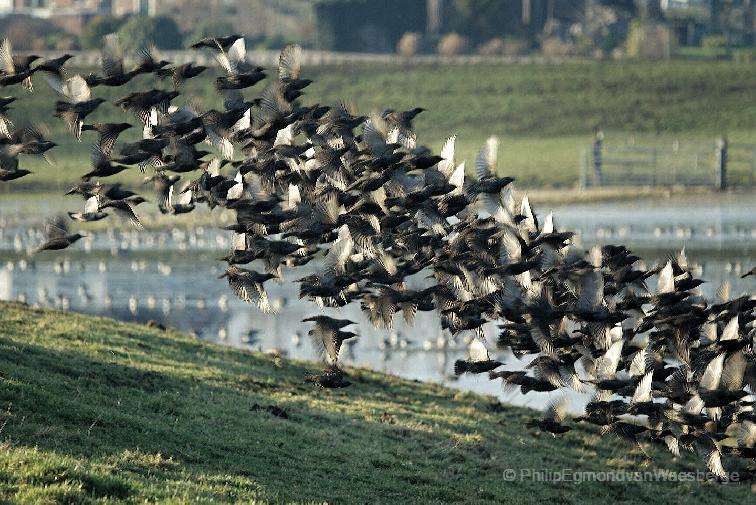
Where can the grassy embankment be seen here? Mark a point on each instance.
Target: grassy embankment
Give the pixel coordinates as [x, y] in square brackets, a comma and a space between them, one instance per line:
[94, 410]
[544, 114]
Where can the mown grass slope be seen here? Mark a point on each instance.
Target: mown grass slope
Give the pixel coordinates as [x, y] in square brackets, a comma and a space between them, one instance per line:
[544, 113]
[94, 410]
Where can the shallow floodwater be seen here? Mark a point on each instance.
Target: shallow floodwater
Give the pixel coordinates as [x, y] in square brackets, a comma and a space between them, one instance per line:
[171, 276]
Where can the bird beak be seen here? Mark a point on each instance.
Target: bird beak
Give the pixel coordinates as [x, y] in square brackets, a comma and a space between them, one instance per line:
[222, 276]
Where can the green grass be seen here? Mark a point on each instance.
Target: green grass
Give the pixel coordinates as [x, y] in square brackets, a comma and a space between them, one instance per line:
[93, 410]
[544, 114]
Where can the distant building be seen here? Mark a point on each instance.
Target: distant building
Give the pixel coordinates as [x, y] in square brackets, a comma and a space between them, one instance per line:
[125, 7]
[254, 18]
[70, 15]
[49, 8]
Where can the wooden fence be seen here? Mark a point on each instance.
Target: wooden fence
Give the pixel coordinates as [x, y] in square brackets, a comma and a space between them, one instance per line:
[651, 162]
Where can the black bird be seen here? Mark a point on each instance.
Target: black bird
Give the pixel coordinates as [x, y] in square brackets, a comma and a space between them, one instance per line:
[141, 102]
[239, 73]
[478, 360]
[327, 336]
[112, 65]
[163, 185]
[9, 170]
[123, 208]
[148, 63]
[216, 43]
[108, 191]
[180, 73]
[108, 133]
[91, 211]
[101, 165]
[58, 236]
[330, 378]
[13, 69]
[5, 122]
[552, 421]
[28, 140]
[248, 286]
[80, 106]
[53, 71]
[290, 69]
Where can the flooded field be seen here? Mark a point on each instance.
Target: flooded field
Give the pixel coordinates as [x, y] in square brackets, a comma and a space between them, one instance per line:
[171, 276]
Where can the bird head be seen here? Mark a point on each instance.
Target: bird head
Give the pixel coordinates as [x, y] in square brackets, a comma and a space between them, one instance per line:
[136, 200]
[230, 271]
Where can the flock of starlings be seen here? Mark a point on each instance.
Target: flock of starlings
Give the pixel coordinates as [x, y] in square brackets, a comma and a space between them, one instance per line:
[379, 212]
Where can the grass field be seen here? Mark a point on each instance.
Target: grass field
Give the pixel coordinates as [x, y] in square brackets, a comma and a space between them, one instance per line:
[544, 114]
[93, 410]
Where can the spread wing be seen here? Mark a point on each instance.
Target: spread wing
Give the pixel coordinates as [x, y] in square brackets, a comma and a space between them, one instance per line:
[713, 373]
[6, 57]
[251, 292]
[77, 89]
[92, 205]
[485, 163]
[477, 351]
[235, 55]
[56, 227]
[665, 282]
[112, 56]
[290, 61]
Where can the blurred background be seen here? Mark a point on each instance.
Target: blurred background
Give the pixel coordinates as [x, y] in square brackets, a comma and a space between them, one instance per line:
[590, 28]
[659, 82]
[633, 120]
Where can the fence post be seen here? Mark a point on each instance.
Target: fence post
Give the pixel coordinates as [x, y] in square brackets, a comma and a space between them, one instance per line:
[583, 168]
[654, 165]
[721, 161]
[598, 159]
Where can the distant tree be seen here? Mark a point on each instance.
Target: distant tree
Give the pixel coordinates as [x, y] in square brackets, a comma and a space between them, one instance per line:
[359, 25]
[211, 28]
[27, 33]
[625, 5]
[141, 31]
[99, 26]
[480, 20]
